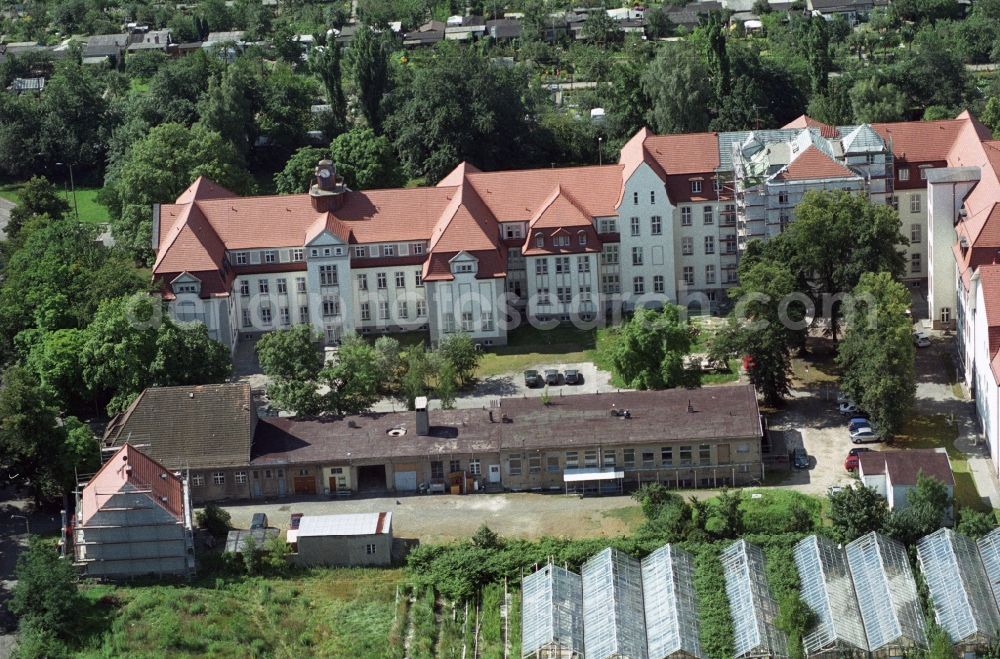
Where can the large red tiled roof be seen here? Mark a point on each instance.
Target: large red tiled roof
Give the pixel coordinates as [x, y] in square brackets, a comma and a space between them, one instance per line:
[514, 196]
[920, 141]
[804, 121]
[903, 467]
[691, 153]
[204, 188]
[190, 244]
[813, 164]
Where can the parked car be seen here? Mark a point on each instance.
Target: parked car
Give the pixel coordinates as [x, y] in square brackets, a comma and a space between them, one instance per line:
[863, 434]
[921, 340]
[858, 421]
[842, 397]
[258, 521]
[835, 489]
[848, 407]
[572, 376]
[532, 379]
[853, 458]
[295, 520]
[800, 459]
[551, 376]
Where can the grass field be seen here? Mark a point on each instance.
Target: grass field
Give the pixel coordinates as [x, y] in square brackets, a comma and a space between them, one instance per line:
[91, 211]
[529, 346]
[325, 613]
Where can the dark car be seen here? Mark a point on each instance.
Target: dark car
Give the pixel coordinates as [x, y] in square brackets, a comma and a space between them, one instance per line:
[572, 376]
[258, 521]
[551, 376]
[532, 379]
[857, 422]
[800, 458]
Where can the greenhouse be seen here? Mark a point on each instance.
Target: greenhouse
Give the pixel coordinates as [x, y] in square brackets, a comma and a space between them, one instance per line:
[613, 621]
[959, 590]
[828, 591]
[752, 607]
[669, 602]
[552, 614]
[989, 552]
[887, 594]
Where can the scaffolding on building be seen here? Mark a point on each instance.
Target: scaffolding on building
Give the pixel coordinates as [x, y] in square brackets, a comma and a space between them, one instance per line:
[669, 604]
[751, 605]
[552, 614]
[887, 594]
[613, 619]
[828, 591]
[989, 553]
[959, 589]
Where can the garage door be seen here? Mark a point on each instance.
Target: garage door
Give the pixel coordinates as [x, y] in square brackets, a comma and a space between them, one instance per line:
[406, 481]
[304, 485]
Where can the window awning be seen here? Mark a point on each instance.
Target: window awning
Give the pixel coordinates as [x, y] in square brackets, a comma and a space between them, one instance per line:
[577, 475]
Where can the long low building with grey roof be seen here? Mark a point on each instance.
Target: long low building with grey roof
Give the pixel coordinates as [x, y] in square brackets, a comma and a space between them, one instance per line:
[706, 437]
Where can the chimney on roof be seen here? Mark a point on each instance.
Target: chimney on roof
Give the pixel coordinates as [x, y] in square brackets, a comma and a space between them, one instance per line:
[423, 420]
[327, 193]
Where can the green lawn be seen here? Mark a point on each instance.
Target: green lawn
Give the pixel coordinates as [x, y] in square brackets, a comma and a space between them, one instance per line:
[329, 613]
[529, 346]
[934, 431]
[91, 211]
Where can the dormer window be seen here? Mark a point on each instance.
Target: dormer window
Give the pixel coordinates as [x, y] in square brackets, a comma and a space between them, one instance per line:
[540, 241]
[242, 258]
[695, 186]
[582, 237]
[360, 251]
[297, 254]
[463, 267]
[185, 288]
[904, 173]
[388, 250]
[270, 256]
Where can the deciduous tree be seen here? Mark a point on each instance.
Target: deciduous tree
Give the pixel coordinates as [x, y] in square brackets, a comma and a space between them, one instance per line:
[366, 161]
[300, 171]
[855, 511]
[37, 197]
[678, 87]
[877, 352]
[650, 350]
[370, 53]
[46, 594]
[460, 351]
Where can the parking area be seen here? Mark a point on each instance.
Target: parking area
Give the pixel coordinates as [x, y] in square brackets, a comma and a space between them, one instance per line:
[941, 417]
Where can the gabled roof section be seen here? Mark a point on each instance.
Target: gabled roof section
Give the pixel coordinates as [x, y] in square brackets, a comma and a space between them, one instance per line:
[920, 141]
[131, 470]
[204, 188]
[200, 427]
[863, 139]
[560, 210]
[328, 222]
[190, 244]
[804, 121]
[634, 153]
[465, 225]
[514, 196]
[811, 165]
[693, 153]
[457, 175]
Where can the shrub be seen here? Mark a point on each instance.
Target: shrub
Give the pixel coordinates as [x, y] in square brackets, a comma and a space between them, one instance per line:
[45, 598]
[214, 519]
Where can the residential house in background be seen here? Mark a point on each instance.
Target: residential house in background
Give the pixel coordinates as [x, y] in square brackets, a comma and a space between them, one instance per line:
[133, 518]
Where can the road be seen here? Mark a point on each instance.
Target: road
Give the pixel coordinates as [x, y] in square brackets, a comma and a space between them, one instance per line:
[6, 206]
